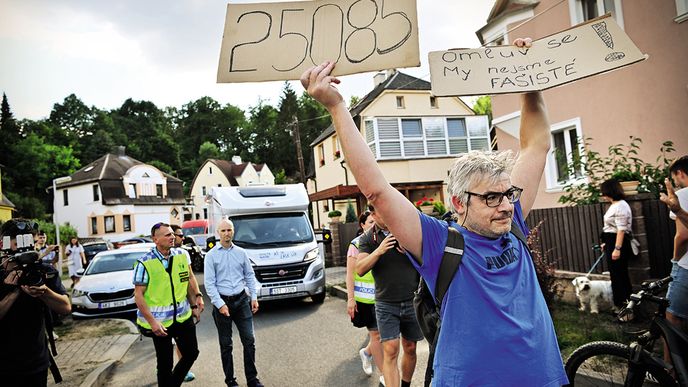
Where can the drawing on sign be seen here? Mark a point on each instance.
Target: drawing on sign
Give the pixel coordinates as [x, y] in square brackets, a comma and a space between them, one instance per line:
[601, 30]
[360, 35]
[551, 61]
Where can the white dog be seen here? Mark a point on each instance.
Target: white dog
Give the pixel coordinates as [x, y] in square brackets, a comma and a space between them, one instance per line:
[595, 294]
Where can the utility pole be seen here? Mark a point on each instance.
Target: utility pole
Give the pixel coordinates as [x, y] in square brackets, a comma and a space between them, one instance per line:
[299, 154]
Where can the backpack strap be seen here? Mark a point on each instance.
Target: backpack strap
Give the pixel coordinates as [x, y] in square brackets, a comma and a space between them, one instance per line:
[516, 230]
[453, 252]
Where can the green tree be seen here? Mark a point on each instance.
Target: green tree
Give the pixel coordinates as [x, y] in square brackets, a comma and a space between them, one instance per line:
[483, 105]
[208, 150]
[206, 120]
[350, 213]
[262, 123]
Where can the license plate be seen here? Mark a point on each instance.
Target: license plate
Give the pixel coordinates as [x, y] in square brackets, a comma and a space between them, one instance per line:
[283, 290]
[113, 304]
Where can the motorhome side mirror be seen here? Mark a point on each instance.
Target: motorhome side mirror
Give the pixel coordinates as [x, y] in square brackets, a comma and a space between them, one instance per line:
[210, 242]
[326, 236]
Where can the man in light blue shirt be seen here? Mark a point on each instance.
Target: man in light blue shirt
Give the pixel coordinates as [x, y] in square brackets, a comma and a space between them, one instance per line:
[232, 287]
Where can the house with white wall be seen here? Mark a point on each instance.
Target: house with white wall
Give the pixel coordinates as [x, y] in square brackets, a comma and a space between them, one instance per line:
[413, 135]
[118, 197]
[223, 173]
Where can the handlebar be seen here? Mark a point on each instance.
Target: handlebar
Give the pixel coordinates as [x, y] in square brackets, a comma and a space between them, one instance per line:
[647, 292]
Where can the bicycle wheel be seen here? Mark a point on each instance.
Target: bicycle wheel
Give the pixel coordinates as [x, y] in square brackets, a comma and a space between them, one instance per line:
[605, 363]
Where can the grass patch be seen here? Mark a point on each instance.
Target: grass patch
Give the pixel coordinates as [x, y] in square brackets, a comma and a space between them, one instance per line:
[575, 328]
[84, 329]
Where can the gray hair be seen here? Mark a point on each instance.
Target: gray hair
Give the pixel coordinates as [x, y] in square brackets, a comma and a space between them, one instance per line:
[475, 166]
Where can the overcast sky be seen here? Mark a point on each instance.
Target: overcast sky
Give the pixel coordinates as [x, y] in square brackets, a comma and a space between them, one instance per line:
[162, 51]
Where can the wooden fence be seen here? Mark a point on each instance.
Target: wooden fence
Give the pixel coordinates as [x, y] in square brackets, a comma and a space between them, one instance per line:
[567, 235]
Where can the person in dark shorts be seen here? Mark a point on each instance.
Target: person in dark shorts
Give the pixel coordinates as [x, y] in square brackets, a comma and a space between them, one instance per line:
[395, 282]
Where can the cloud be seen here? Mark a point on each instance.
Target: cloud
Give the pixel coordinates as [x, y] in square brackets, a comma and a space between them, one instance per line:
[162, 51]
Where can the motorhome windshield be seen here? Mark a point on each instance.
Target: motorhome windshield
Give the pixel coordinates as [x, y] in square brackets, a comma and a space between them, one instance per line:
[193, 230]
[267, 230]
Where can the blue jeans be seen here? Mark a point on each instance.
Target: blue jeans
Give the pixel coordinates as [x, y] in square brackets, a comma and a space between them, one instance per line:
[239, 313]
[678, 291]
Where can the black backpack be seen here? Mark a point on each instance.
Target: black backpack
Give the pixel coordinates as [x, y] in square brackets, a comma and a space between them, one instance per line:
[428, 309]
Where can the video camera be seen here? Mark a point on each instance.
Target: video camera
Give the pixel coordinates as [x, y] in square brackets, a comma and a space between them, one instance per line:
[24, 256]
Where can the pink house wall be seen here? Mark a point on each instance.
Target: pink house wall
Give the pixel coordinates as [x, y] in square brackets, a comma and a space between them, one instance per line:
[647, 100]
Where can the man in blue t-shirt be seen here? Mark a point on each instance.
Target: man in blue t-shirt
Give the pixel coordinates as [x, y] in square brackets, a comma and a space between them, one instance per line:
[496, 329]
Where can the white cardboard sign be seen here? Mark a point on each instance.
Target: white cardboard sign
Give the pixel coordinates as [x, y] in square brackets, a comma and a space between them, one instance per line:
[590, 48]
[279, 41]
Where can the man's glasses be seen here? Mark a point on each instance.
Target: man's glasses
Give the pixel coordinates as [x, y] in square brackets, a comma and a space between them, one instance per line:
[494, 199]
[179, 235]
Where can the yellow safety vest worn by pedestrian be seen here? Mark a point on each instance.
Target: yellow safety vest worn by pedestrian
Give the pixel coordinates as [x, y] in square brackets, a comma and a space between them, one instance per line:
[166, 291]
[364, 288]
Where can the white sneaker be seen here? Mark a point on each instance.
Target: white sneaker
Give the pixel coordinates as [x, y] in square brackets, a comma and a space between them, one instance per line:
[382, 380]
[366, 362]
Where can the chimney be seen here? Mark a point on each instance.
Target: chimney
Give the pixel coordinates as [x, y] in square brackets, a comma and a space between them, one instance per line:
[119, 150]
[236, 160]
[379, 78]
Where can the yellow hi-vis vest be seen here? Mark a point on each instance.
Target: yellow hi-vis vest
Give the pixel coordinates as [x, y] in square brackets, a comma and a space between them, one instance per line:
[166, 291]
[364, 288]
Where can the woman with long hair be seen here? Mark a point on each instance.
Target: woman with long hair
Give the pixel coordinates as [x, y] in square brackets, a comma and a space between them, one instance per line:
[76, 259]
[616, 243]
[360, 303]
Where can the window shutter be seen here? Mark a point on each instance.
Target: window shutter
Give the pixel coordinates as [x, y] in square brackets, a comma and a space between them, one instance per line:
[388, 128]
[413, 148]
[390, 149]
[370, 131]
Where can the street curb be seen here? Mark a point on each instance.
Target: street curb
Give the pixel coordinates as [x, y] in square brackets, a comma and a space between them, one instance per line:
[338, 291]
[98, 376]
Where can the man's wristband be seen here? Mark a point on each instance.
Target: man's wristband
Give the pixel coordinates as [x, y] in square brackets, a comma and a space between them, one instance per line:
[617, 247]
[199, 295]
[194, 306]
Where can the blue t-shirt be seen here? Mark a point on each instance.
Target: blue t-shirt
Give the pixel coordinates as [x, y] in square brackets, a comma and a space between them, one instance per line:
[496, 329]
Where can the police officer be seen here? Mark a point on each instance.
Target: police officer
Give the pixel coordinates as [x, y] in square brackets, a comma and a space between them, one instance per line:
[166, 304]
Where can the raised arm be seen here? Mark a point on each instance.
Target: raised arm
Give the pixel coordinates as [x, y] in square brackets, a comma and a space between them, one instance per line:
[535, 144]
[398, 213]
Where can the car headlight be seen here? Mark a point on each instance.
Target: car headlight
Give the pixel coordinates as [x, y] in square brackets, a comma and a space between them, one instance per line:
[311, 255]
[79, 293]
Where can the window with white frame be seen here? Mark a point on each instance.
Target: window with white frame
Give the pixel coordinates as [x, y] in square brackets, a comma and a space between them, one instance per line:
[393, 138]
[564, 161]
[681, 11]
[582, 10]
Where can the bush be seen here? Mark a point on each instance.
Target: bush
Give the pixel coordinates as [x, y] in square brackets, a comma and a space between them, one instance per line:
[66, 232]
[334, 213]
[622, 163]
[543, 268]
[439, 208]
[350, 214]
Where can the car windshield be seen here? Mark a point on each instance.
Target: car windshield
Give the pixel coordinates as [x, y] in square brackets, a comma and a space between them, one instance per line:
[272, 230]
[113, 262]
[193, 230]
[94, 249]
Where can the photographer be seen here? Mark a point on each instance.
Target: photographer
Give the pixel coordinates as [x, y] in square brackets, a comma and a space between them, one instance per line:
[28, 289]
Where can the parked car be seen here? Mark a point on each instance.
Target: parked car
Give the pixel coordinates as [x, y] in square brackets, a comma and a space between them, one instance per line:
[93, 246]
[131, 241]
[106, 285]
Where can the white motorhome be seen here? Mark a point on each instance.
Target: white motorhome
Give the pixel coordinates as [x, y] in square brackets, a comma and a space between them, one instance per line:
[271, 223]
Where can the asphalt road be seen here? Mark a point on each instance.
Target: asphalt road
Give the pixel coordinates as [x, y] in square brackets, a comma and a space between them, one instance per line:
[298, 343]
